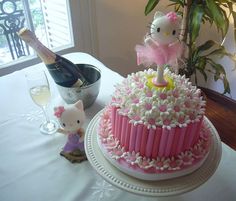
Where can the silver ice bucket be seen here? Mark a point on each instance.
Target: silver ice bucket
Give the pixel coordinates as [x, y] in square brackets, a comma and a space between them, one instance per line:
[87, 94]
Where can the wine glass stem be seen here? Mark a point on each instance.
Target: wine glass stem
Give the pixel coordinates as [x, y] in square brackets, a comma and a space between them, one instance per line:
[45, 113]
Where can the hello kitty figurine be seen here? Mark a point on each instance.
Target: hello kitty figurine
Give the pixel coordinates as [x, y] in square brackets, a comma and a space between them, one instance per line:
[162, 46]
[71, 120]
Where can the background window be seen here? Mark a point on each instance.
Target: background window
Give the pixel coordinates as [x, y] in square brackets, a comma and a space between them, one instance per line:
[50, 20]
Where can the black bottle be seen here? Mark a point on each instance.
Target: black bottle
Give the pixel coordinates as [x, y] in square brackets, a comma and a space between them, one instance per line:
[63, 71]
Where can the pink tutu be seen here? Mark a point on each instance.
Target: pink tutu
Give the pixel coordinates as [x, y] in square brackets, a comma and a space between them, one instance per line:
[159, 55]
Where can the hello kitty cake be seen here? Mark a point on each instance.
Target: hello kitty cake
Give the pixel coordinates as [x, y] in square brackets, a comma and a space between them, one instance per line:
[154, 128]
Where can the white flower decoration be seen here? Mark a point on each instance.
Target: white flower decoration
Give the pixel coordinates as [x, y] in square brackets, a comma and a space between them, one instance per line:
[174, 164]
[160, 163]
[117, 153]
[186, 157]
[144, 163]
[132, 158]
[111, 143]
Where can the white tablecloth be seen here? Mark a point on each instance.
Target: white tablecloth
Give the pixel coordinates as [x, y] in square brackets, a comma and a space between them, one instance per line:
[31, 168]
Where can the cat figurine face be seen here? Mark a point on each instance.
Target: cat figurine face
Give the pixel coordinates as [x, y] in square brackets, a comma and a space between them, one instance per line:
[165, 29]
[71, 118]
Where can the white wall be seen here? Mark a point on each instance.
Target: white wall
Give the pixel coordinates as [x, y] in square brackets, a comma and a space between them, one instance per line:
[122, 24]
[226, 62]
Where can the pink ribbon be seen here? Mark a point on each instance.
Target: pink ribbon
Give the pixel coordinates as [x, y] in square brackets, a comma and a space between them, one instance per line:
[172, 16]
[58, 111]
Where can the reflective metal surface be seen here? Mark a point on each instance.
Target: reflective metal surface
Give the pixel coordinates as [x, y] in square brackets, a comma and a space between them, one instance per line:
[87, 94]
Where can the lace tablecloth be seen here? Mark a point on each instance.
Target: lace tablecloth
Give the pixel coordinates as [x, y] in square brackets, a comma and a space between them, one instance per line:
[32, 169]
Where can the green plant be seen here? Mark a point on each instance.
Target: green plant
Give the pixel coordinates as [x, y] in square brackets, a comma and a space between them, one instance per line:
[200, 57]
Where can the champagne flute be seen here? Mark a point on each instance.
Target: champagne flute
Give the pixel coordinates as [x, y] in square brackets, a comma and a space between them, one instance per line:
[39, 90]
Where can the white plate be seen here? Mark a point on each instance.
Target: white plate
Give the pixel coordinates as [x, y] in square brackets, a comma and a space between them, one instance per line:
[150, 188]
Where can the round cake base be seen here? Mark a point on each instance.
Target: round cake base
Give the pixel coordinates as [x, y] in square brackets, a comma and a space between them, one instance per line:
[167, 187]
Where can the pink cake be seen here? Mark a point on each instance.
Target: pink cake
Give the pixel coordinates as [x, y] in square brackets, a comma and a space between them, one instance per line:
[150, 130]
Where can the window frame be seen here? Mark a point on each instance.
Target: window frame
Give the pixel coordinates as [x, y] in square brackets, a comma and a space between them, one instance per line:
[83, 30]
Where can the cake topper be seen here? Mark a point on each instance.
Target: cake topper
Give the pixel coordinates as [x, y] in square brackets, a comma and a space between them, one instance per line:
[161, 46]
[72, 119]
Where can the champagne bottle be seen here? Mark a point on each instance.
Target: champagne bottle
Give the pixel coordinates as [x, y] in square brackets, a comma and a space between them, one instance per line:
[63, 71]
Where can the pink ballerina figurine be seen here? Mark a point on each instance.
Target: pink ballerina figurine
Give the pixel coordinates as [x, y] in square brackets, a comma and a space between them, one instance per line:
[162, 46]
[71, 119]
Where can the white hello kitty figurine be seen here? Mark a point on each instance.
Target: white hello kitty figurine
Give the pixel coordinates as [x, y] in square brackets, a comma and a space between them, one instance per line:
[162, 46]
[71, 119]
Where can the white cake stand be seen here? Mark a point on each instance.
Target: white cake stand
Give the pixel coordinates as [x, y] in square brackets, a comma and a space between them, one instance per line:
[150, 188]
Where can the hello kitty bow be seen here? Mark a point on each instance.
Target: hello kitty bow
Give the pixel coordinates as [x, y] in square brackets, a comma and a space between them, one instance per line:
[172, 16]
[58, 111]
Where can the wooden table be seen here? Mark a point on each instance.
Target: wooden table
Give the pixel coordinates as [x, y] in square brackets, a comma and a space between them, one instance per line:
[221, 111]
